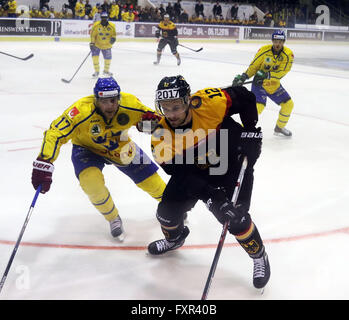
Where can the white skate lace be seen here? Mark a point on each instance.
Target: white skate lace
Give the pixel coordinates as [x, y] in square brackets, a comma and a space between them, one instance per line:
[164, 245]
[116, 224]
[259, 268]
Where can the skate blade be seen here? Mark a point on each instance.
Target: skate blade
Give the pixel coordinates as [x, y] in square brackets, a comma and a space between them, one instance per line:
[121, 237]
[277, 134]
[261, 291]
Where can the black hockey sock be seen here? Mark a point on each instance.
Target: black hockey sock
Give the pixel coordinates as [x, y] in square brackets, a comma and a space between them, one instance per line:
[251, 242]
[173, 233]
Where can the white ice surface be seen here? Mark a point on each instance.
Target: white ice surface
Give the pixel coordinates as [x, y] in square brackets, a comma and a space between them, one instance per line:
[300, 197]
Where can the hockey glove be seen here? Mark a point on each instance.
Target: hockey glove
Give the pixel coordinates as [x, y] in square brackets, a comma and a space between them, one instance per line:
[251, 144]
[240, 79]
[222, 208]
[92, 46]
[42, 174]
[260, 76]
[157, 33]
[112, 40]
[149, 122]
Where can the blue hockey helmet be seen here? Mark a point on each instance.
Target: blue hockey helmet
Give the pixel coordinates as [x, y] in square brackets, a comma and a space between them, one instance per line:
[106, 88]
[278, 35]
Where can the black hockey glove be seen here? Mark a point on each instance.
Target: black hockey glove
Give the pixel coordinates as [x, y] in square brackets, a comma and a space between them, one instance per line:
[240, 79]
[112, 40]
[222, 208]
[251, 144]
[157, 33]
[260, 76]
[92, 46]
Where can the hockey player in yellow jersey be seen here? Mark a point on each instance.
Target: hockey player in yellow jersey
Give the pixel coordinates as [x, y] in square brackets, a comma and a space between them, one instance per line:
[98, 127]
[167, 33]
[269, 66]
[103, 36]
[201, 147]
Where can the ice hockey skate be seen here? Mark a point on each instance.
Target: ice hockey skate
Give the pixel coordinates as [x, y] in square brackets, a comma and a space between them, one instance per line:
[282, 132]
[178, 61]
[95, 75]
[116, 229]
[261, 271]
[107, 74]
[156, 62]
[161, 246]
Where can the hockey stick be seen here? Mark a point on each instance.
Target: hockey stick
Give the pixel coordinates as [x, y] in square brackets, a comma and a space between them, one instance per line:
[247, 82]
[10, 55]
[224, 231]
[68, 81]
[190, 48]
[3, 279]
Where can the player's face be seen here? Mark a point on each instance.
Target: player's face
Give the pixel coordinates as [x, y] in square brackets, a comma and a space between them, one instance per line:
[108, 106]
[278, 45]
[175, 112]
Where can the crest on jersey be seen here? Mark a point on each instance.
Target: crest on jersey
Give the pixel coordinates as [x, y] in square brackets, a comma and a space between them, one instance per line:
[96, 130]
[123, 119]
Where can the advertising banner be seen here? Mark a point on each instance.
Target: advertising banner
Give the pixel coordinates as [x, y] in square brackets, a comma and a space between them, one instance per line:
[30, 27]
[336, 36]
[190, 31]
[252, 33]
[294, 34]
[258, 33]
[82, 28]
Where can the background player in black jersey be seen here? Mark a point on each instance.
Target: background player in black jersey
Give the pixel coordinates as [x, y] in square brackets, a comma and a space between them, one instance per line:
[167, 32]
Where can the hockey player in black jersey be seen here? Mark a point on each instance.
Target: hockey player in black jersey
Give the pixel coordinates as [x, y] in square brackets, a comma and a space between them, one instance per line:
[202, 170]
[167, 32]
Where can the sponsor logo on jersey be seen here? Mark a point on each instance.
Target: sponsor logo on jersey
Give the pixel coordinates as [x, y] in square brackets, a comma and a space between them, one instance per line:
[96, 130]
[73, 112]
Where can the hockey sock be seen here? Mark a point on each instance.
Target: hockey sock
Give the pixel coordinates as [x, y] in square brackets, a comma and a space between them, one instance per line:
[95, 60]
[284, 114]
[260, 107]
[92, 182]
[250, 240]
[173, 233]
[107, 63]
[154, 186]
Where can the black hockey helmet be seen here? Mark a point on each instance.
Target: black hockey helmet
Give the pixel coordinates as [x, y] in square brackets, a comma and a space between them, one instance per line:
[171, 88]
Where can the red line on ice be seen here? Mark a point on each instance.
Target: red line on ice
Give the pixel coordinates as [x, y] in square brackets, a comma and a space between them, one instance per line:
[186, 247]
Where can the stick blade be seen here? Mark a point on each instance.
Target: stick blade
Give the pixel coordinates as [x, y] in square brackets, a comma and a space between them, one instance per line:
[199, 50]
[65, 81]
[29, 57]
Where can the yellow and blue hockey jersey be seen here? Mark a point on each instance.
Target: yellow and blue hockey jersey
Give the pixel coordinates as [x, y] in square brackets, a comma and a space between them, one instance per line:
[85, 126]
[278, 66]
[101, 35]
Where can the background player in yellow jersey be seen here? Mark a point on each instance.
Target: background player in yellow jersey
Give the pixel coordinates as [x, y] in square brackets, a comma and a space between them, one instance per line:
[103, 36]
[185, 143]
[167, 32]
[271, 63]
[98, 127]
